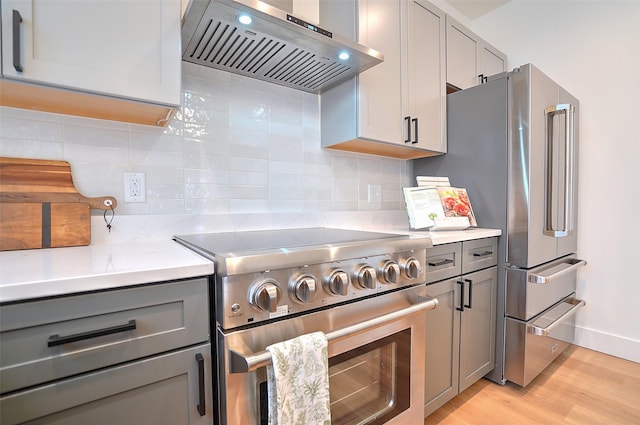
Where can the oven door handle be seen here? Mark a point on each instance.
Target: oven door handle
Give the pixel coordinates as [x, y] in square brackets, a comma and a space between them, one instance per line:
[239, 363]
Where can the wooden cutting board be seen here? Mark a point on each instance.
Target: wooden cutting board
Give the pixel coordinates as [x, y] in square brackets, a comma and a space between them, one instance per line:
[40, 206]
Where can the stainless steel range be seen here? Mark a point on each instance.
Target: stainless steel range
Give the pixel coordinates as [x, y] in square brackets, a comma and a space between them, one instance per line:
[364, 290]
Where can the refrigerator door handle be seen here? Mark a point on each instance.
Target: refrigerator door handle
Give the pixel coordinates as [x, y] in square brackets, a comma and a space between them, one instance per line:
[536, 330]
[569, 140]
[573, 263]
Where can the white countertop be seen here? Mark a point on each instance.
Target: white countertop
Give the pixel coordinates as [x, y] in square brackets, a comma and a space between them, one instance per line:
[36, 273]
[450, 236]
[441, 237]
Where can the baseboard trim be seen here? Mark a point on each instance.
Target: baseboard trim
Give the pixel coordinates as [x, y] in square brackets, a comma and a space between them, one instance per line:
[614, 345]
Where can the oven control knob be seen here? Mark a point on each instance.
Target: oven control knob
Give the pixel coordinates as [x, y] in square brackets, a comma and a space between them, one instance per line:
[390, 272]
[304, 288]
[338, 282]
[365, 277]
[411, 268]
[265, 295]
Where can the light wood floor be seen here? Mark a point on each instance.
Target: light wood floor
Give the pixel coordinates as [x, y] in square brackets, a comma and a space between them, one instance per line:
[581, 387]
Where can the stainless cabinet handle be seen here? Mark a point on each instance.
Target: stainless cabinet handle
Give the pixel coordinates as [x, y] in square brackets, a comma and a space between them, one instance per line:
[441, 262]
[17, 19]
[55, 340]
[408, 120]
[536, 330]
[240, 363]
[573, 263]
[551, 179]
[482, 254]
[202, 408]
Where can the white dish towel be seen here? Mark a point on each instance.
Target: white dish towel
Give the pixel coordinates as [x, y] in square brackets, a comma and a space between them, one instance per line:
[298, 381]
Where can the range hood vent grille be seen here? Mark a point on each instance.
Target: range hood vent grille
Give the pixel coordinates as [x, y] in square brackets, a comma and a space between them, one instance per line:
[289, 59]
[235, 49]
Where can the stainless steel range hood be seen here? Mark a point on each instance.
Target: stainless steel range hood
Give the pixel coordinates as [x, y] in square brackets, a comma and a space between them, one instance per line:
[276, 46]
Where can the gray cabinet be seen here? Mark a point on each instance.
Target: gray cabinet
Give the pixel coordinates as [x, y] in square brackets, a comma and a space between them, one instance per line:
[117, 60]
[137, 355]
[397, 108]
[470, 59]
[460, 334]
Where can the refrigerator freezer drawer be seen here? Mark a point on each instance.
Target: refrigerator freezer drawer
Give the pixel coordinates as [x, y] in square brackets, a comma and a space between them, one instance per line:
[531, 346]
[530, 292]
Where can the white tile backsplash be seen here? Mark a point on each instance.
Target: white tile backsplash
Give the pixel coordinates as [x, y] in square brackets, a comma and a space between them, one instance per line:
[238, 146]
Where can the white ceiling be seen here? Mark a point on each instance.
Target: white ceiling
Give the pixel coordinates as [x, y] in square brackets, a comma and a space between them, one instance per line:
[473, 9]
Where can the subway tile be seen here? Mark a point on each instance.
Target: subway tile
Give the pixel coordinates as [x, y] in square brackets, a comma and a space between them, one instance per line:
[206, 191]
[208, 176]
[88, 135]
[30, 129]
[254, 206]
[246, 178]
[236, 146]
[37, 149]
[248, 192]
[107, 154]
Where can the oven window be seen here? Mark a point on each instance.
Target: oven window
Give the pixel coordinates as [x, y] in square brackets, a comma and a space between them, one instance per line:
[368, 385]
[371, 384]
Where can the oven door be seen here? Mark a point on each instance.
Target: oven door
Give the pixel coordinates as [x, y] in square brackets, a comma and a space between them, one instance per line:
[376, 361]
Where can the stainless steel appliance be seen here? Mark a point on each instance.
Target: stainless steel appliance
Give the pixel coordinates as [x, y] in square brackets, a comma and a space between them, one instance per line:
[364, 290]
[270, 45]
[513, 144]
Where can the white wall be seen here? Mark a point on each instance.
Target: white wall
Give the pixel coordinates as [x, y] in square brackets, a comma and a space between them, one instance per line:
[592, 48]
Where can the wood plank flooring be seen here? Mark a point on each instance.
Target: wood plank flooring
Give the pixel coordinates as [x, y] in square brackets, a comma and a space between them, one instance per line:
[581, 387]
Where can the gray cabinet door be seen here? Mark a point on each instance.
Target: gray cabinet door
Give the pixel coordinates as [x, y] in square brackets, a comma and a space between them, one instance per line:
[426, 76]
[469, 58]
[462, 59]
[156, 391]
[477, 326]
[442, 345]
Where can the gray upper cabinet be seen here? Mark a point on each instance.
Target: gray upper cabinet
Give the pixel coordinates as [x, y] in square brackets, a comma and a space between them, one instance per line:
[470, 59]
[397, 108]
[118, 60]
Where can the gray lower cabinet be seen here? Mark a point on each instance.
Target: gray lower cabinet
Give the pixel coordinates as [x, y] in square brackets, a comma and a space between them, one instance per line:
[160, 390]
[460, 334]
[137, 355]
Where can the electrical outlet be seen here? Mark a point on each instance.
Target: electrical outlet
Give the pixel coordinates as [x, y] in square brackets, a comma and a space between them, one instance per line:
[374, 193]
[134, 187]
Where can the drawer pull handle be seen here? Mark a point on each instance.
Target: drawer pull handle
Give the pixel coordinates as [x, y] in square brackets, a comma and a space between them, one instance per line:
[572, 265]
[202, 409]
[482, 254]
[55, 340]
[441, 262]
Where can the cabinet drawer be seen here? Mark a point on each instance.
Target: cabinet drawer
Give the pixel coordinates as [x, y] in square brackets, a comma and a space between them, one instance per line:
[54, 338]
[443, 261]
[158, 390]
[479, 254]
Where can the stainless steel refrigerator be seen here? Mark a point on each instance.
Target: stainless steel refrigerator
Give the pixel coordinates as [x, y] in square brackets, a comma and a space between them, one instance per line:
[513, 144]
